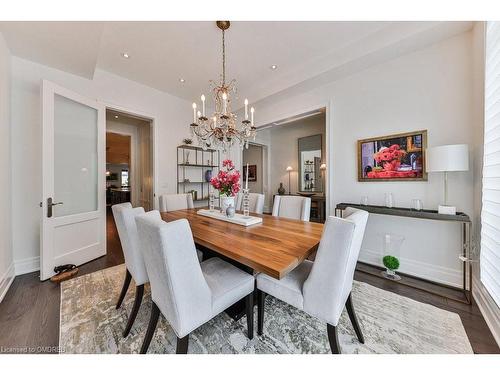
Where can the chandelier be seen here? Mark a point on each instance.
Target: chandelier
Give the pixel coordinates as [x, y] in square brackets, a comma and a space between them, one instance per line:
[220, 130]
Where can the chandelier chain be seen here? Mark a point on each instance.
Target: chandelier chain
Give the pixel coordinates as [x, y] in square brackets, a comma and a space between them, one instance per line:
[223, 59]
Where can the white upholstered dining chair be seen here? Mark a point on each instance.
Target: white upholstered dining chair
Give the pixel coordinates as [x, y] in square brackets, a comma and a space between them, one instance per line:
[256, 202]
[124, 216]
[322, 288]
[187, 293]
[174, 202]
[292, 207]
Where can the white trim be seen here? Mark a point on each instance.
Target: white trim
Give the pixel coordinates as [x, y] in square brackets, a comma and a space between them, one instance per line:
[6, 281]
[487, 306]
[27, 265]
[428, 271]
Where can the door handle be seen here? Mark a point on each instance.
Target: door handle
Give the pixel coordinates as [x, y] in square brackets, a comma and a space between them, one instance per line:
[50, 204]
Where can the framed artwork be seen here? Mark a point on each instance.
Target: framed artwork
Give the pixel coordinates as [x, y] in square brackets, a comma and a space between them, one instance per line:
[252, 173]
[397, 157]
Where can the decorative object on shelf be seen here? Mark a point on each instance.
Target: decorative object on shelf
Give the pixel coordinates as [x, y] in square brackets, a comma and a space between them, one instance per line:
[227, 182]
[364, 200]
[220, 130]
[186, 180]
[186, 161]
[281, 189]
[230, 211]
[289, 169]
[448, 158]
[392, 247]
[208, 175]
[417, 204]
[187, 141]
[246, 202]
[394, 157]
[251, 172]
[389, 200]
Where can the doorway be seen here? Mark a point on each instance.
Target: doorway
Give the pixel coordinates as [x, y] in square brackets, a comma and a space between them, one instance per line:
[129, 160]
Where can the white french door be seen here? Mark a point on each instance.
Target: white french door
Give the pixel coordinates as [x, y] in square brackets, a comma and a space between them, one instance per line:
[73, 223]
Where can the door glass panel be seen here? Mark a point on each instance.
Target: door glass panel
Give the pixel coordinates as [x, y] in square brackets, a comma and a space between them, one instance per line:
[75, 157]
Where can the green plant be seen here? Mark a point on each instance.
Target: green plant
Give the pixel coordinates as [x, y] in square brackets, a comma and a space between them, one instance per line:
[391, 262]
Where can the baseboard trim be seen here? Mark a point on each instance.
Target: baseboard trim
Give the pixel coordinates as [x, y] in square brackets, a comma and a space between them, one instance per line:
[488, 307]
[6, 281]
[427, 271]
[27, 265]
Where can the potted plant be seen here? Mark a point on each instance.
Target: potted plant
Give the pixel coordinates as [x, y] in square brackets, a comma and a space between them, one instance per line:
[227, 182]
[390, 258]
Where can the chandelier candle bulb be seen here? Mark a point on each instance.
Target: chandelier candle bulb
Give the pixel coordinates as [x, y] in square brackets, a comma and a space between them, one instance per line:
[252, 110]
[203, 104]
[224, 98]
[194, 113]
[246, 109]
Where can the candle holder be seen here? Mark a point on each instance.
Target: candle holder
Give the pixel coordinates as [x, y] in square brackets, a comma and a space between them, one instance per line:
[211, 201]
[246, 202]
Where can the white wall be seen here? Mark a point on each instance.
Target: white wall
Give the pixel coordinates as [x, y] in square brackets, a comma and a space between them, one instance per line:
[171, 116]
[427, 89]
[6, 259]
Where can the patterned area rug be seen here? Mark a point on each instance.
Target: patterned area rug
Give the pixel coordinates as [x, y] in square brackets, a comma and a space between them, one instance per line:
[390, 323]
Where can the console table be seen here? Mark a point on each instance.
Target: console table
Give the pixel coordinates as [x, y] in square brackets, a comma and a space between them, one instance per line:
[460, 218]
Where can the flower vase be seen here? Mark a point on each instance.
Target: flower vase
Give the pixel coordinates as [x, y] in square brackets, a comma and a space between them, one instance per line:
[225, 202]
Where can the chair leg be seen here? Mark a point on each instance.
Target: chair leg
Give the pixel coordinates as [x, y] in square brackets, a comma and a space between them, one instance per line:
[249, 311]
[139, 292]
[153, 320]
[182, 345]
[126, 284]
[261, 298]
[354, 319]
[333, 337]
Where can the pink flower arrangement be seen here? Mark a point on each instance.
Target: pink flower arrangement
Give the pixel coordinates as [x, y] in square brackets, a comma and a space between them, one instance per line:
[227, 180]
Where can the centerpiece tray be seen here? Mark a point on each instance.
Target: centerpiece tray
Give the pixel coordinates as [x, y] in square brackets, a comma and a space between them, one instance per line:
[236, 219]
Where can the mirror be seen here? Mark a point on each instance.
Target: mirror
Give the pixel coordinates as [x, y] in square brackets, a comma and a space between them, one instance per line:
[310, 159]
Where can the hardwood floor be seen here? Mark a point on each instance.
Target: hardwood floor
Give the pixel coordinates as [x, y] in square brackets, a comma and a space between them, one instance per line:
[29, 313]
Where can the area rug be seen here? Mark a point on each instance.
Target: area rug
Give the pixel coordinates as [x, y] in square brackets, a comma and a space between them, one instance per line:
[390, 323]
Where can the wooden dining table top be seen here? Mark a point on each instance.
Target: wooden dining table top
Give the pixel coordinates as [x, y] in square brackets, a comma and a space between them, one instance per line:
[275, 247]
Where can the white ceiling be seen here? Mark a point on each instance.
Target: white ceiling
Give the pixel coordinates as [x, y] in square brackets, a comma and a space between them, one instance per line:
[163, 52]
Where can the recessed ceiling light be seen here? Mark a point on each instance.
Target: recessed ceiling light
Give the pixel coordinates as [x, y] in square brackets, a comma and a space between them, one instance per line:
[116, 116]
[125, 55]
[182, 80]
[274, 67]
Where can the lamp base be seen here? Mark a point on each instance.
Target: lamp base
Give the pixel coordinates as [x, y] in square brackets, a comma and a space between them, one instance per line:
[447, 210]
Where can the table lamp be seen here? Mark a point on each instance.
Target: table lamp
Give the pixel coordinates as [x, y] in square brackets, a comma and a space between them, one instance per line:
[448, 158]
[289, 170]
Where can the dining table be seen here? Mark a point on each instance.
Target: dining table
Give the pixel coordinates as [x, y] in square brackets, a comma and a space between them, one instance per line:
[275, 246]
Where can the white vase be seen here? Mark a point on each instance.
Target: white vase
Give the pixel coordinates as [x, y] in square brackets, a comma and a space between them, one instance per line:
[225, 202]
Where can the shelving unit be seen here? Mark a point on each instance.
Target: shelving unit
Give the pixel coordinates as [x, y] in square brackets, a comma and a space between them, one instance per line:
[192, 164]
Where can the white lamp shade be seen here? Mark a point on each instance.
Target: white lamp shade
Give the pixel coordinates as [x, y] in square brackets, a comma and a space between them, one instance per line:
[448, 158]
[289, 169]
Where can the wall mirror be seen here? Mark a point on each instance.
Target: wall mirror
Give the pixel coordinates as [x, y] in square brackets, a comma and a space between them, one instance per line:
[310, 159]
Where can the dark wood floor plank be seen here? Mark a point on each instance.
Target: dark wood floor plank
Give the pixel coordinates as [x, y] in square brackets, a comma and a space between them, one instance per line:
[29, 313]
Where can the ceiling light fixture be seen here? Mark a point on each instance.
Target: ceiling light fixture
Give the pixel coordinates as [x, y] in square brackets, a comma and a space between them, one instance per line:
[274, 67]
[220, 130]
[125, 55]
[182, 80]
[116, 116]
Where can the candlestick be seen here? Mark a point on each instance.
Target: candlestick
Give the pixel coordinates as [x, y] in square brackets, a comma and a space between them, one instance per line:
[246, 183]
[203, 104]
[224, 98]
[252, 110]
[194, 113]
[246, 109]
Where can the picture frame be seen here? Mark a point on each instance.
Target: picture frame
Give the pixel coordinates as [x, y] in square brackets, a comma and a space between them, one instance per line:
[395, 157]
[252, 173]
